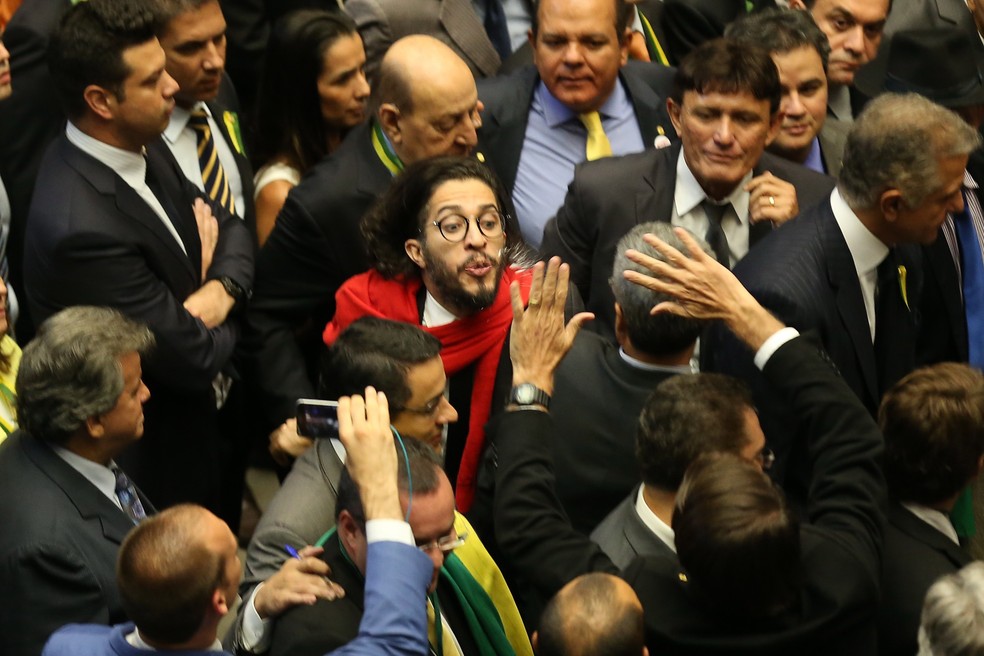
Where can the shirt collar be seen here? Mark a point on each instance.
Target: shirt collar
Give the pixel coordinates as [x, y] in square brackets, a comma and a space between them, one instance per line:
[99, 475]
[555, 112]
[130, 166]
[659, 528]
[436, 314]
[646, 366]
[934, 518]
[969, 182]
[867, 250]
[134, 640]
[179, 120]
[689, 194]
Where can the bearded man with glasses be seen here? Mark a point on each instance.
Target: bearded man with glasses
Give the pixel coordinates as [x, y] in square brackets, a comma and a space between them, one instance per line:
[441, 241]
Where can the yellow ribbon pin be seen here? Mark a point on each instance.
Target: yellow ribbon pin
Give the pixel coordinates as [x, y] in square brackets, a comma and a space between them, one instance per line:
[902, 286]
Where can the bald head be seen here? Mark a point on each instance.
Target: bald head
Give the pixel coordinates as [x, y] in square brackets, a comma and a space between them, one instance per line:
[426, 100]
[593, 614]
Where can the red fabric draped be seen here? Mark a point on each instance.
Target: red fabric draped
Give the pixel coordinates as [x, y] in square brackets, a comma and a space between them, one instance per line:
[478, 338]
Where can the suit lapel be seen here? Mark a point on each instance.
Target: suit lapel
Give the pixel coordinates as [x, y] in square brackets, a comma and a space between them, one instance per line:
[919, 530]
[87, 499]
[656, 203]
[104, 180]
[843, 279]
[461, 23]
[509, 124]
[646, 105]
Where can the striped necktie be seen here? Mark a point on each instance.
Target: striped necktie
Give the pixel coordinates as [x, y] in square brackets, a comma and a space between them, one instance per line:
[127, 494]
[598, 145]
[213, 175]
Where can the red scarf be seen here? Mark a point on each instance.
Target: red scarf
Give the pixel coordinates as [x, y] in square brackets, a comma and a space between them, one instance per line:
[478, 338]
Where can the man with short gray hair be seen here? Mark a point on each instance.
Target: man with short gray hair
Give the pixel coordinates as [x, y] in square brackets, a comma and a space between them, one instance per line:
[594, 458]
[65, 506]
[952, 614]
[843, 268]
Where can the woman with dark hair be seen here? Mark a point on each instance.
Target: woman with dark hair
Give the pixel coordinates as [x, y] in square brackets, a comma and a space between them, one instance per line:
[312, 91]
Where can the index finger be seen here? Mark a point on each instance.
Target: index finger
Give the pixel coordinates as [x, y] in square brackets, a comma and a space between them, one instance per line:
[758, 180]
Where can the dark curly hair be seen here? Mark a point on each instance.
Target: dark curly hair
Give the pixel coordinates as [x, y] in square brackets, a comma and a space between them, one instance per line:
[397, 216]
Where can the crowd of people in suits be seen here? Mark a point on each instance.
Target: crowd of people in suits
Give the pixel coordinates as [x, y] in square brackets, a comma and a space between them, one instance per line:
[654, 326]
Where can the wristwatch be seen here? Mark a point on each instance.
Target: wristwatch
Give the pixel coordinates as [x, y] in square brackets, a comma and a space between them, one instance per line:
[234, 289]
[528, 394]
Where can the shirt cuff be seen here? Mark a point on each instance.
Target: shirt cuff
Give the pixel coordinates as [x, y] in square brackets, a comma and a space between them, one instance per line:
[389, 530]
[254, 636]
[771, 345]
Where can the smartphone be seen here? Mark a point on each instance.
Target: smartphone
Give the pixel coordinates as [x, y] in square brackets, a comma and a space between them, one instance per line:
[317, 418]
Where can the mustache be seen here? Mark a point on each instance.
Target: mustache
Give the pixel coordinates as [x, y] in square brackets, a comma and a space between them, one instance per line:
[482, 260]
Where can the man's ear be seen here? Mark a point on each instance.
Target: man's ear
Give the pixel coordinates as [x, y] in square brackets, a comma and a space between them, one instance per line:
[95, 426]
[623, 46]
[101, 101]
[890, 203]
[415, 251]
[220, 604]
[348, 529]
[673, 109]
[389, 119]
[797, 4]
[775, 124]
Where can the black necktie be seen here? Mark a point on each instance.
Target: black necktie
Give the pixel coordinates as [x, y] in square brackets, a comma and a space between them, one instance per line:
[894, 331]
[213, 175]
[715, 236]
[497, 28]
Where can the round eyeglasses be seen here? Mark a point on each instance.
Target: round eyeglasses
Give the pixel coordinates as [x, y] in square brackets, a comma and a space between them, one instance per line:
[454, 227]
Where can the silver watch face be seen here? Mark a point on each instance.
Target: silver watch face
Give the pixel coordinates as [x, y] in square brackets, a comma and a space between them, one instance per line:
[525, 393]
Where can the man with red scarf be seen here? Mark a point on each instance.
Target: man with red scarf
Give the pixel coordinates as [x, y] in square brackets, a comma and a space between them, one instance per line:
[441, 243]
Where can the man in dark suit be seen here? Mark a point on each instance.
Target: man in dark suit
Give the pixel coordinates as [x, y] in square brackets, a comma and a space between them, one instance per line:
[112, 226]
[719, 167]
[838, 269]
[541, 121]
[933, 423]
[192, 33]
[595, 459]
[753, 581]
[316, 244]
[64, 504]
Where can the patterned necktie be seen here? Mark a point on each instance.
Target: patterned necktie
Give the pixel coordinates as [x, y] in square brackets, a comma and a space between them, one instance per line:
[972, 268]
[127, 494]
[715, 236]
[598, 145]
[213, 175]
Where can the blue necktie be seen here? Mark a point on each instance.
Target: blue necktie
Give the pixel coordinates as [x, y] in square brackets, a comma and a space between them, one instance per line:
[127, 494]
[497, 28]
[972, 267]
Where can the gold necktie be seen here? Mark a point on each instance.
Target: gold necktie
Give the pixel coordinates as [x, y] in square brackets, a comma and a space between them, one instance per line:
[598, 145]
[448, 647]
[213, 175]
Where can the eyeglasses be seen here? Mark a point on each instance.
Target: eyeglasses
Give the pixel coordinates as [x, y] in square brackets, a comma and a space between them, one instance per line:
[425, 411]
[766, 458]
[454, 227]
[446, 544]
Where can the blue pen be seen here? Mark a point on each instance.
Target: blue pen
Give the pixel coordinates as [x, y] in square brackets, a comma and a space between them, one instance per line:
[292, 551]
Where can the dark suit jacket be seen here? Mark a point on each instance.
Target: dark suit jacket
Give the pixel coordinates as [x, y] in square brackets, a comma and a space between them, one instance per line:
[93, 241]
[623, 537]
[507, 107]
[57, 547]
[840, 536]
[315, 246]
[608, 197]
[915, 556]
[595, 424]
[804, 273]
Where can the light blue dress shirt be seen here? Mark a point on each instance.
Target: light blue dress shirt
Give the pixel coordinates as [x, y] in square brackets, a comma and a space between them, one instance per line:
[554, 144]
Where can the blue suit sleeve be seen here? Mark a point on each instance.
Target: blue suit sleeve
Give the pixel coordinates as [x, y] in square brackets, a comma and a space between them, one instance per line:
[394, 622]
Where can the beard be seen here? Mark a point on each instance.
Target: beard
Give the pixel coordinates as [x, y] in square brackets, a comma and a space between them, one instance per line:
[447, 283]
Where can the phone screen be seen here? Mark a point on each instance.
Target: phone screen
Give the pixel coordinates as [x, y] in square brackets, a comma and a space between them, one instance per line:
[317, 419]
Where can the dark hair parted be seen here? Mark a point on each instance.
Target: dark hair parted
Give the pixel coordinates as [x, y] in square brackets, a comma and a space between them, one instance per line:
[664, 333]
[400, 213]
[289, 123]
[737, 539]
[87, 47]
[727, 66]
[377, 352]
[426, 470]
[780, 31]
[71, 371]
[933, 423]
[166, 574]
[685, 417]
[590, 616]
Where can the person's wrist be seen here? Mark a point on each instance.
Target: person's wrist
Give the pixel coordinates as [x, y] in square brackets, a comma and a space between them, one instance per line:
[381, 502]
[544, 381]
